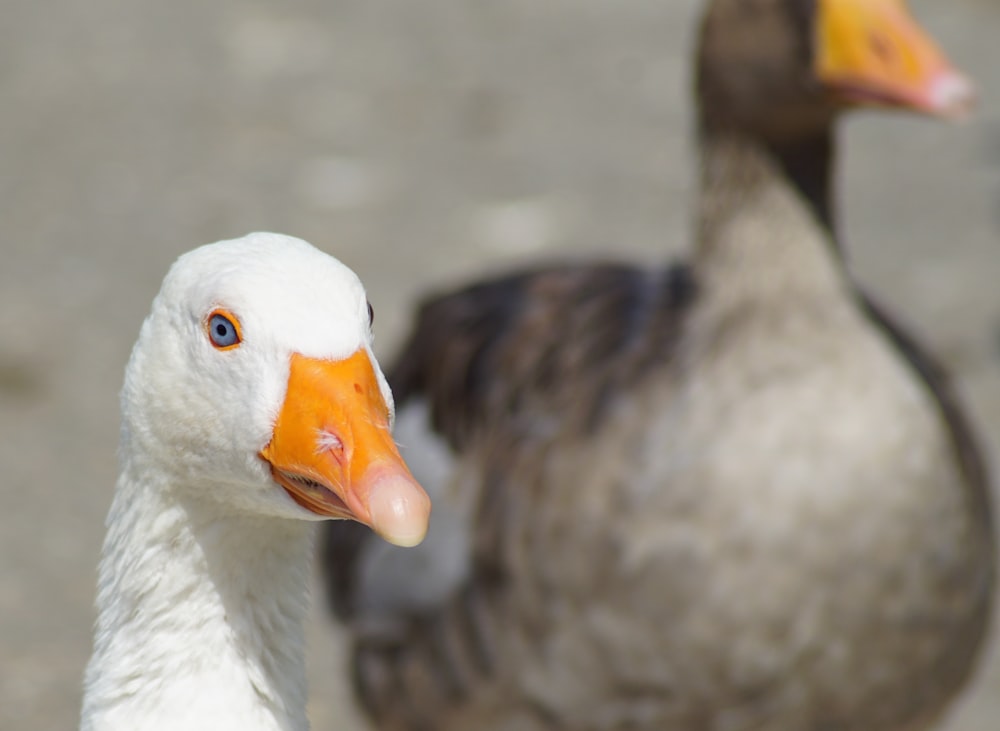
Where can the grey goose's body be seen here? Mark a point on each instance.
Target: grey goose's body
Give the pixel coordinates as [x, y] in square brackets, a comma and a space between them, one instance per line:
[731, 494]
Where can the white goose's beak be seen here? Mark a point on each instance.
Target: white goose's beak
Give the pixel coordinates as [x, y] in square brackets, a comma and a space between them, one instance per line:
[332, 451]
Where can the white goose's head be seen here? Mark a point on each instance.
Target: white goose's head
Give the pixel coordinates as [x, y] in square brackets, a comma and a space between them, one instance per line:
[253, 384]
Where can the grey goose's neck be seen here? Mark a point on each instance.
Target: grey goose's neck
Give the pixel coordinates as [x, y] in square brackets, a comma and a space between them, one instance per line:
[200, 615]
[808, 165]
[764, 219]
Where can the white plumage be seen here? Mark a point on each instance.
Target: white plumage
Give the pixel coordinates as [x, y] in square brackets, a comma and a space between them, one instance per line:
[203, 578]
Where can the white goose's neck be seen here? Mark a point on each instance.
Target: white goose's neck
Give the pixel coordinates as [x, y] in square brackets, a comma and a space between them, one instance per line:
[200, 615]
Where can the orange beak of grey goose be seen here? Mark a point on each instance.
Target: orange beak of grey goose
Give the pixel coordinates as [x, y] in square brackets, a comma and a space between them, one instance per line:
[332, 451]
[872, 53]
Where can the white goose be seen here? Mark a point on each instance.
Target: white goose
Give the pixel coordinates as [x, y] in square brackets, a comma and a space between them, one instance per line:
[252, 406]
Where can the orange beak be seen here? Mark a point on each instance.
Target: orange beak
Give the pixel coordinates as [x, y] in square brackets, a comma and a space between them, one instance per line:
[872, 52]
[332, 451]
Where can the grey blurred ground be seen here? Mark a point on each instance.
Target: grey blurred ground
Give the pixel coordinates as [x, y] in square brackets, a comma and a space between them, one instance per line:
[420, 141]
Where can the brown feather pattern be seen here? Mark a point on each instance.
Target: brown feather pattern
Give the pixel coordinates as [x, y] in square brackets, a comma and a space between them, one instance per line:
[732, 495]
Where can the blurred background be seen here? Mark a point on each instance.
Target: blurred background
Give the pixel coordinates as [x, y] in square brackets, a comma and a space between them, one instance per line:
[420, 141]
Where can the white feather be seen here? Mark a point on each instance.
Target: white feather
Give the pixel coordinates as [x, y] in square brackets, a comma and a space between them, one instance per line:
[203, 579]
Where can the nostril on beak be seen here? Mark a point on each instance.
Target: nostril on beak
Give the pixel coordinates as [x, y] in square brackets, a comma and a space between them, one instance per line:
[329, 442]
[881, 48]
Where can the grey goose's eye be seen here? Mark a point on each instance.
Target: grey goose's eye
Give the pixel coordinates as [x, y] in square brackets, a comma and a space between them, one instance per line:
[223, 330]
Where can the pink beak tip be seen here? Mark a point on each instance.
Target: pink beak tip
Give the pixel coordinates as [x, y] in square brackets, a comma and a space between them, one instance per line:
[400, 509]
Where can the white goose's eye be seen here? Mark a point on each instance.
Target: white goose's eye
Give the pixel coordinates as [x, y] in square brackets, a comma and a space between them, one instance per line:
[371, 315]
[223, 330]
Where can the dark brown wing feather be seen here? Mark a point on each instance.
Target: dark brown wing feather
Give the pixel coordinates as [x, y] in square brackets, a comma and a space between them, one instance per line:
[503, 350]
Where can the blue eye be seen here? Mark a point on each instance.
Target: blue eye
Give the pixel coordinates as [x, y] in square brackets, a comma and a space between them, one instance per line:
[223, 331]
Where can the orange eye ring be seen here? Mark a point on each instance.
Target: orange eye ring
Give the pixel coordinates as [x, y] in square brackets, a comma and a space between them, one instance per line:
[223, 330]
